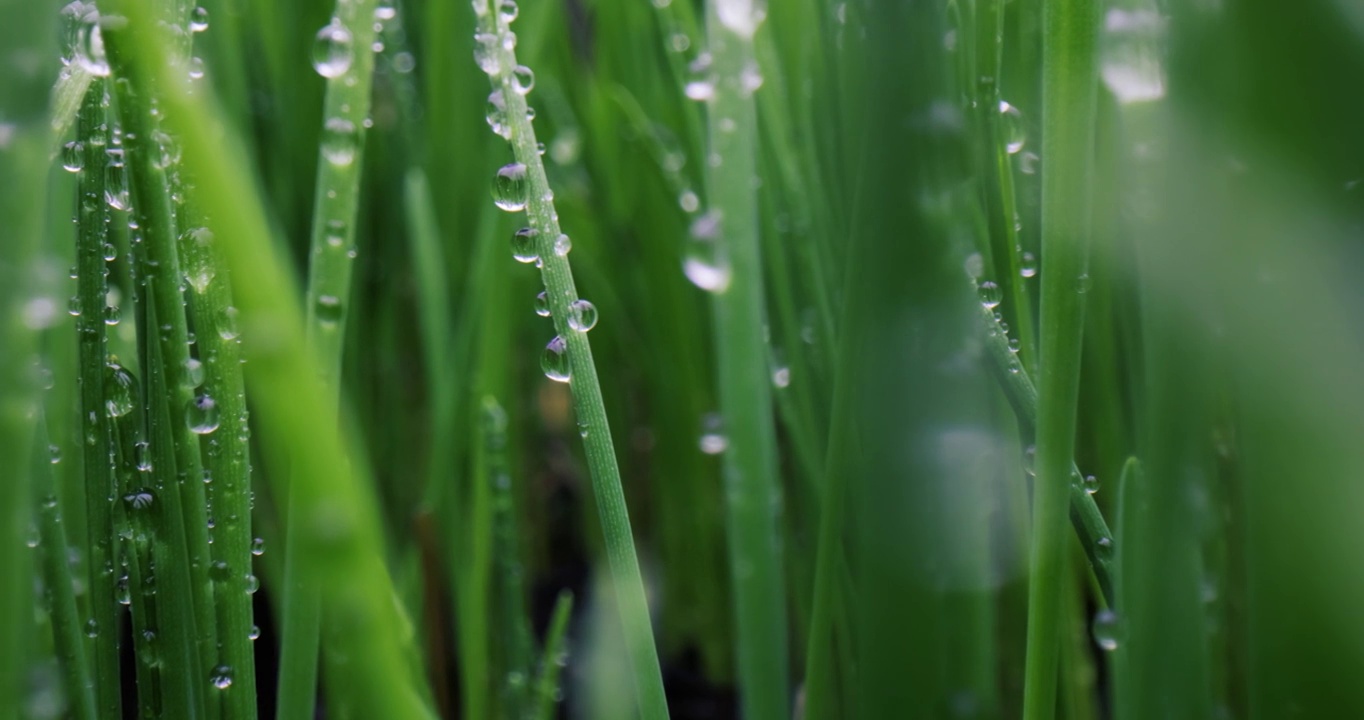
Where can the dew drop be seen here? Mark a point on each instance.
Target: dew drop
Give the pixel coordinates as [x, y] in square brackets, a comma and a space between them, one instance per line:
[989, 294]
[332, 51]
[699, 90]
[1091, 484]
[73, 156]
[339, 141]
[582, 315]
[704, 261]
[508, 10]
[90, 46]
[542, 304]
[201, 414]
[140, 499]
[196, 245]
[1106, 629]
[1083, 283]
[497, 115]
[110, 252]
[252, 584]
[221, 677]
[554, 361]
[523, 245]
[91, 628]
[713, 440]
[122, 594]
[486, 53]
[510, 187]
[523, 79]
[1014, 133]
[198, 19]
[227, 323]
[688, 201]
[258, 547]
[329, 310]
[562, 245]
[254, 634]
[1027, 266]
[194, 373]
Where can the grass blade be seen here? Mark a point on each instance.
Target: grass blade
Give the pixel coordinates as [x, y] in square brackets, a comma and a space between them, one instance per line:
[1068, 107]
[553, 659]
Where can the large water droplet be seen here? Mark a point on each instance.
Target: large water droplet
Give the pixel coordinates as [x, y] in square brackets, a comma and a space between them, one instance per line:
[510, 187]
[523, 245]
[582, 315]
[332, 50]
[339, 141]
[73, 156]
[542, 304]
[119, 390]
[1015, 135]
[554, 361]
[201, 414]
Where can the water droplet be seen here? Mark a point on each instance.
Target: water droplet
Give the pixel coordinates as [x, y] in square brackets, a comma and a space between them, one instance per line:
[252, 584]
[198, 19]
[196, 245]
[1083, 283]
[1027, 163]
[332, 52]
[713, 440]
[227, 323]
[1027, 266]
[196, 68]
[989, 294]
[90, 46]
[119, 391]
[112, 315]
[1091, 484]
[1106, 630]
[497, 115]
[523, 79]
[750, 79]
[194, 373]
[73, 306]
[582, 315]
[680, 42]
[1030, 461]
[73, 156]
[688, 201]
[221, 677]
[116, 181]
[122, 594]
[781, 377]
[1104, 548]
[91, 628]
[339, 141]
[258, 547]
[523, 246]
[110, 252]
[554, 361]
[742, 17]
[486, 53]
[201, 414]
[562, 245]
[704, 261]
[1015, 135]
[508, 11]
[329, 310]
[140, 499]
[510, 187]
[542, 304]
[254, 634]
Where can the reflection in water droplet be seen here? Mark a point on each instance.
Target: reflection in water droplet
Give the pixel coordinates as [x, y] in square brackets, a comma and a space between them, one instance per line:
[554, 361]
[332, 51]
[510, 187]
[523, 245]
[201, 415]
[582, 315]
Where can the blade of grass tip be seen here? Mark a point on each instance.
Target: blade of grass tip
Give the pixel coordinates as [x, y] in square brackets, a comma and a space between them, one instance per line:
[190, 415]
[553, 659]
[340, 527]
[68, 632]
[1069, 91]
[92, 346]
[753, 490]
[342, 56]
[29, 54]
[522, 185]
[1090, 527]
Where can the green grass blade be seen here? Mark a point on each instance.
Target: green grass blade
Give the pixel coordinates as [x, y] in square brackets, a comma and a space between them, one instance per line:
[553, 659]
[753, 490]
[536, 198]
[1069, 90]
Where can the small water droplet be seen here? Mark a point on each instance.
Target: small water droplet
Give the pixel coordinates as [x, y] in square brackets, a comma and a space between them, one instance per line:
[510, 187]
[201, 414]
[227, 323]
[688, 201]
[508, 11]
[329, 310]
[1015, 135]
[1104, 548]
[196, 245]
[704, 261]
[221, 677]
[1027, 266]
[497, 115]
[486, 53]
[523, 246]
[562, 245]
[73, 306]
[1083, 283]
[523, 79]
[699, 90]
[119, 391]
[122, 594]
[91, 628]
[254, 634]
[110, 252]
[194, 373]
[582, 315]
[1106, 630]
[1091, 484]
[90, 45]
[332, 51]
[198, 19]
[339, 141]
[542, 304]
[989, 294]
[554, 361]
[713, 440]
[252, 584]
[781, 377]
[258, 547]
